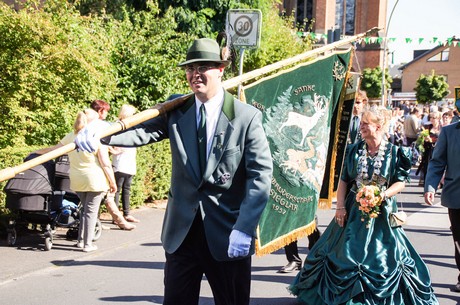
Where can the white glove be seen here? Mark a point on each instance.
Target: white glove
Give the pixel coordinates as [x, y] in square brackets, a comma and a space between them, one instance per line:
[88, 138]
[239, 244]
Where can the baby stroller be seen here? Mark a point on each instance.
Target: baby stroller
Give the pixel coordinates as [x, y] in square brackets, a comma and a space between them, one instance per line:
[36, 203]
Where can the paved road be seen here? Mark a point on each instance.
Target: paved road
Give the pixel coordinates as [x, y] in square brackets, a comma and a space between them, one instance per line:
[128, 267]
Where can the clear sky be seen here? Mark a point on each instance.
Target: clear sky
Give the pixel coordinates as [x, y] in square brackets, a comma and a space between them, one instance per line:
[420, 19]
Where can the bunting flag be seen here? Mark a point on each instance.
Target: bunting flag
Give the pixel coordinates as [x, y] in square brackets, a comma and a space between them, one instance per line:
[372, 40]
[300, 110]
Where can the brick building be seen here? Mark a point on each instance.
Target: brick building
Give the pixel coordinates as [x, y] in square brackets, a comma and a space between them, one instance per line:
[348, 17]
[443, 60]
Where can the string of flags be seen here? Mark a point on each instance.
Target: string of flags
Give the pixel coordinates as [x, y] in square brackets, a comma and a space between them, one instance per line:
[450, 41]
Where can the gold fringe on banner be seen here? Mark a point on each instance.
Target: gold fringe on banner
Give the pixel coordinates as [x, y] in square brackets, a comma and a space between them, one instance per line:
[281, 241]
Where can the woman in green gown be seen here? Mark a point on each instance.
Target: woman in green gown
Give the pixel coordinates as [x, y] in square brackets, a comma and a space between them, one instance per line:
[361, 258]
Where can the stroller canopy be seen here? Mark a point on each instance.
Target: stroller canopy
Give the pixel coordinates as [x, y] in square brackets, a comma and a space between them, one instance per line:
[34, 181]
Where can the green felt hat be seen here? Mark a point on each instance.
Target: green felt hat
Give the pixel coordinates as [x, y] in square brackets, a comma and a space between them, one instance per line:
[204, 49]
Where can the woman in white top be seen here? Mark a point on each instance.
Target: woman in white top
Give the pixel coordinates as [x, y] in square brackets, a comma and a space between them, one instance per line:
[124, 167]
[91, 176]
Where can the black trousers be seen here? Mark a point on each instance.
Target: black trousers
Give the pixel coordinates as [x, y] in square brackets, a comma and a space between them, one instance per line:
[124, 182]
[454, 217]
[230, 281]
[292, 251]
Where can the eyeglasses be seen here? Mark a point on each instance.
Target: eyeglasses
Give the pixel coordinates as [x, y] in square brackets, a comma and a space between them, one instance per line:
[199, 69]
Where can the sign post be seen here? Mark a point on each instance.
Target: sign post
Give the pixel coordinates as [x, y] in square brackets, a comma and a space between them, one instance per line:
[243, 31]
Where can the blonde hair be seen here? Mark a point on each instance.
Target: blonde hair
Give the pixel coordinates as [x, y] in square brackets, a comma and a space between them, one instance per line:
[434, 115]
[378, 115]
[83, 118]
[126, 111]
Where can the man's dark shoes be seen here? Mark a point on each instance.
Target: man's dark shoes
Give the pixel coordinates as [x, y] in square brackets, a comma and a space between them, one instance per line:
[457, 287]
[290, 267]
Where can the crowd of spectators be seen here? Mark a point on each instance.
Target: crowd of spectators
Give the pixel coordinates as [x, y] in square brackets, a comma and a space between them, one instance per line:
[418, 127]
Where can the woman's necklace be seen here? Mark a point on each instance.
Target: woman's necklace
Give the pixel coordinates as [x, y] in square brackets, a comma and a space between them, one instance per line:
[363, 168]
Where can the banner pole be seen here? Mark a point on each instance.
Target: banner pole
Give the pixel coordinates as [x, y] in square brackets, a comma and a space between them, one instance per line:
[126, 123]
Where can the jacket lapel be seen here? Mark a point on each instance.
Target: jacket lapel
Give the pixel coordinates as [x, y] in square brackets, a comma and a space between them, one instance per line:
[223, 132]
[187, 128]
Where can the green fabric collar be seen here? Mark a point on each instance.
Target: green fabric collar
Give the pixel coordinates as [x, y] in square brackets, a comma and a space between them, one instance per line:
[227, 108]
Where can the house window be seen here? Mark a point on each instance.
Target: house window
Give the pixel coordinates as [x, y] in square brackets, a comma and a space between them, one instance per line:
[441, 56]
[345, 16]
[304, 14]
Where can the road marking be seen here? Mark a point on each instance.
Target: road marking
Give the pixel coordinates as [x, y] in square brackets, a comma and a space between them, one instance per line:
[434, 217]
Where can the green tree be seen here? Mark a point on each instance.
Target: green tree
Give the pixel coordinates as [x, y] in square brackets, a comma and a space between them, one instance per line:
[192, 19]
[430, 88]
[371, 81]
[147, 51]
[279, 40]
[52, 62]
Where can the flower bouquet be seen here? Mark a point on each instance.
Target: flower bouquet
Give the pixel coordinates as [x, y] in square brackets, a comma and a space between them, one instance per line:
[421, 139]
[369, 202]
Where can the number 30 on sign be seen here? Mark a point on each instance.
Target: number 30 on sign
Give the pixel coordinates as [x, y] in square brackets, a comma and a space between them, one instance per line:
[243, 28]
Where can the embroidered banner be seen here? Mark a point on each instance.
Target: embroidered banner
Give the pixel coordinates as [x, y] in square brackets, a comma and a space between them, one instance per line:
[301, 112]
[340, 123]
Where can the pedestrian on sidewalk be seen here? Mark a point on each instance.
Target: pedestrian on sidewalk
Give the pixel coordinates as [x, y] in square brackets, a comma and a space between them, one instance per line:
[102, 108]
[220, 184]
[412, 126]
[445, 161]
[124, 167]
[91, 177]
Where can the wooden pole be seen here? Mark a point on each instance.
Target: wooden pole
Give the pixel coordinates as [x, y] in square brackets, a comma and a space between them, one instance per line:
[143, 116]
[158, 109]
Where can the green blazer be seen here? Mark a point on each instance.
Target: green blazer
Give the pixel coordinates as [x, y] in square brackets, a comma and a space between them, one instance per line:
[235, 187]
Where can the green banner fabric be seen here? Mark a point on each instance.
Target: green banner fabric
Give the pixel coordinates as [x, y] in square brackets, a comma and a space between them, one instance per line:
[341, 125]
[298, 106]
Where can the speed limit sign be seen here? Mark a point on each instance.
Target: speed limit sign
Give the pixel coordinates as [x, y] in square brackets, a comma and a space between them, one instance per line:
[243, 27]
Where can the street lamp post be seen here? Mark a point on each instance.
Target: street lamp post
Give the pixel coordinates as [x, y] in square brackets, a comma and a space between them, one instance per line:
[385, 43]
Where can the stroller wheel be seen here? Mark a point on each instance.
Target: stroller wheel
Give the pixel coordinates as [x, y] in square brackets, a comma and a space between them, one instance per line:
[48, 237]
[97, 230]
[48, 243]
[12, 237]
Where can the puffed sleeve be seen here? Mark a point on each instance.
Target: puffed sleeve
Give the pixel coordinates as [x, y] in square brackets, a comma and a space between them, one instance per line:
[350, 162]
[403, 164]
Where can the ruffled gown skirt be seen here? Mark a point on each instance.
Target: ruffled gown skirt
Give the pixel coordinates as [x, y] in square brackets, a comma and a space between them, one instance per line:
[360, 265]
